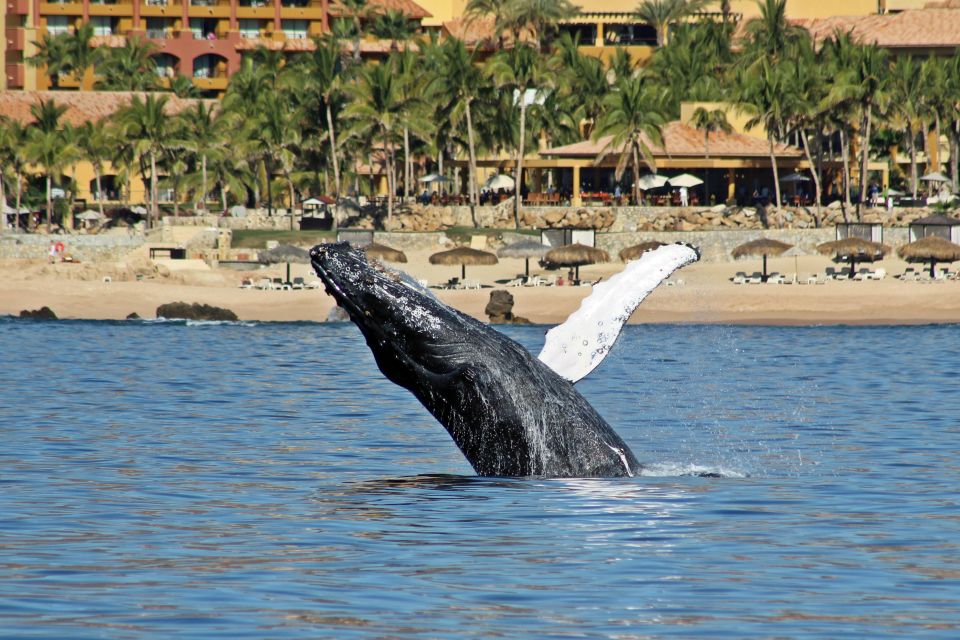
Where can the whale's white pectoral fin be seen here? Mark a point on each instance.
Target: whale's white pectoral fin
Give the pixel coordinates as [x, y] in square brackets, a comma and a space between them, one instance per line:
[575, 348]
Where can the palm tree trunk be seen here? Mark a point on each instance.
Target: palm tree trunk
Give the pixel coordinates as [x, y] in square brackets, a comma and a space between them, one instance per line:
[776, 175]
[864, 156]
[3, 204]
[954, 154]
[292, 196]
[813, 171]
[472, 177]
[440, 170]
[96, 175]
[19, 197]
[153, 186]
[912, 137]
[203, 169]
[406, 162]
[845, 157]
[223, 197]
[636, 175]
[267, 172]
[388, 165]
[333, 152]
[518, 178]
[49, 205]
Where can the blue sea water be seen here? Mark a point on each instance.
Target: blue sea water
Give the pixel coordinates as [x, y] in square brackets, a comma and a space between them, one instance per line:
[164, 480]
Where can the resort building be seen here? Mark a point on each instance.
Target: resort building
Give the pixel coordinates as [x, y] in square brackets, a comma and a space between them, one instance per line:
[91, 106]
[200, 39]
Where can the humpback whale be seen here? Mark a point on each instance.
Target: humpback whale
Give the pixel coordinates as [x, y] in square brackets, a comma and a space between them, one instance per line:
[510, 413]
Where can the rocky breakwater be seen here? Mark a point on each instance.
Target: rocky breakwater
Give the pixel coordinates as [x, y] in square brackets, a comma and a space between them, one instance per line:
[430, 218]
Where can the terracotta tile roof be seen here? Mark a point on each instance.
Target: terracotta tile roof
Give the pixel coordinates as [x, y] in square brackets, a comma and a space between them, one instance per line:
[82, 106]
[408, 7]
[478, 33]
[919, 28]
[683, 140]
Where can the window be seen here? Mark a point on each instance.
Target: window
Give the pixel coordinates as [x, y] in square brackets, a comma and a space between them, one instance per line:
[294, 29]
[249, 28]
[57, 25]
[157, 27]
[102, 25]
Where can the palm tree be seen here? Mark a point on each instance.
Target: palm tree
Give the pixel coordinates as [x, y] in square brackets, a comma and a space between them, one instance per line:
[499, 10]
[392, 25]
[865, 83]
[129, 68]
[710, 121]
[460, 85]
[518, 69]
[357, 11]
[206, 130]
[275, 134]
[539, 16]
[379, 103]
[96, 143]
[770, 35]
[908, 86]
[82, 57]
[53, 54]
[634, 113]
[764, 93]
[148, 127]
[805, 74]
[17, 135]
[323, 70]
[660, 14]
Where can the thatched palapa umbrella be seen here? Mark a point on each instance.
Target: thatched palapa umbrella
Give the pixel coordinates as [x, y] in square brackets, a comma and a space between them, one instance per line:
[525, 249]
[854, 250]
[761, 247]
[637, 250]
[383, 252]
[932, 249]
[575, 255]
[463, 256]
[284, 253]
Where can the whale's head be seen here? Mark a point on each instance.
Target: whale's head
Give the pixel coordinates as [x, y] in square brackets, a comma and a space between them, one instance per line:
[413, 336]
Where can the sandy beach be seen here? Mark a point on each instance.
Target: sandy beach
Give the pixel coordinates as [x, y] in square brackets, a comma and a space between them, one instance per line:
[703, 293]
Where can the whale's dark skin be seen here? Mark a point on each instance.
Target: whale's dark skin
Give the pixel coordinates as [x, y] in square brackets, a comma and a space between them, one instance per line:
[508, 413]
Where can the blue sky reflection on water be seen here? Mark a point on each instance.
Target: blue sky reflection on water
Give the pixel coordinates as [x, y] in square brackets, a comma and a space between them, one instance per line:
[265, 481]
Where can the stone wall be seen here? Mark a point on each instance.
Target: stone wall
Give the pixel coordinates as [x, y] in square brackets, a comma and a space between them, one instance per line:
[85, 248]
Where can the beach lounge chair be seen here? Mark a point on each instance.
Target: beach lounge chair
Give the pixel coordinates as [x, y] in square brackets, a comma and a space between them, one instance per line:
[740, 277]
[755, 278]
[298, 283]
[246, 283]
[516, 282]
[470, 284]
[878, 274]
[265, 284]
[535, 281]
[862, 274]
[279, 285]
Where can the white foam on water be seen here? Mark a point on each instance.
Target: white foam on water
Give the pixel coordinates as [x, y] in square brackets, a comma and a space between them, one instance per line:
[674, 469]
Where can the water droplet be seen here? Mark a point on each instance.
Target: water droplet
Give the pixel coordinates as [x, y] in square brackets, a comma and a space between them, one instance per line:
[586, 342]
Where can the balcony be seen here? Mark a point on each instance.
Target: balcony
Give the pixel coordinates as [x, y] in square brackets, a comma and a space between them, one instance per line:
[61, 8]
[161, 8]
[157, 34]
[15, 39]
[18, 7]
[14, 76]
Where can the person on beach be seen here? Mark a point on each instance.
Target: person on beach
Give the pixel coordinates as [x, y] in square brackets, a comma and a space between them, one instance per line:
[684, 197]
[53, 252]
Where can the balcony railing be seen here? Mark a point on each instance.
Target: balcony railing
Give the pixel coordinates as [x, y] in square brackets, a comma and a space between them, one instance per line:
[158, 34]
[158, 3]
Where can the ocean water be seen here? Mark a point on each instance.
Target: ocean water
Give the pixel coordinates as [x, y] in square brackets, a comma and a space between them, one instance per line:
[164, 480]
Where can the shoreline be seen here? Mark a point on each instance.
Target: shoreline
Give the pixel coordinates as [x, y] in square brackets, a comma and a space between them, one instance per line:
[702, 294]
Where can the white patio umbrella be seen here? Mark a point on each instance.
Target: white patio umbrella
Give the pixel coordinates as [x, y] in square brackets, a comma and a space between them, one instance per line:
[434, 177]
[685, 180]
[312, 202]
[936, 176]
[499, 181]
[794, 177]
[90, 214]
[651, 181]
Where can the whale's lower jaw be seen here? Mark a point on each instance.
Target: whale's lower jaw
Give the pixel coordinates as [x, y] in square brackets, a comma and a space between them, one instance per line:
[507, 412]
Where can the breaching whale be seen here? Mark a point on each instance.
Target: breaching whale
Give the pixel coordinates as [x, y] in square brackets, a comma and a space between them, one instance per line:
[509, 412]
